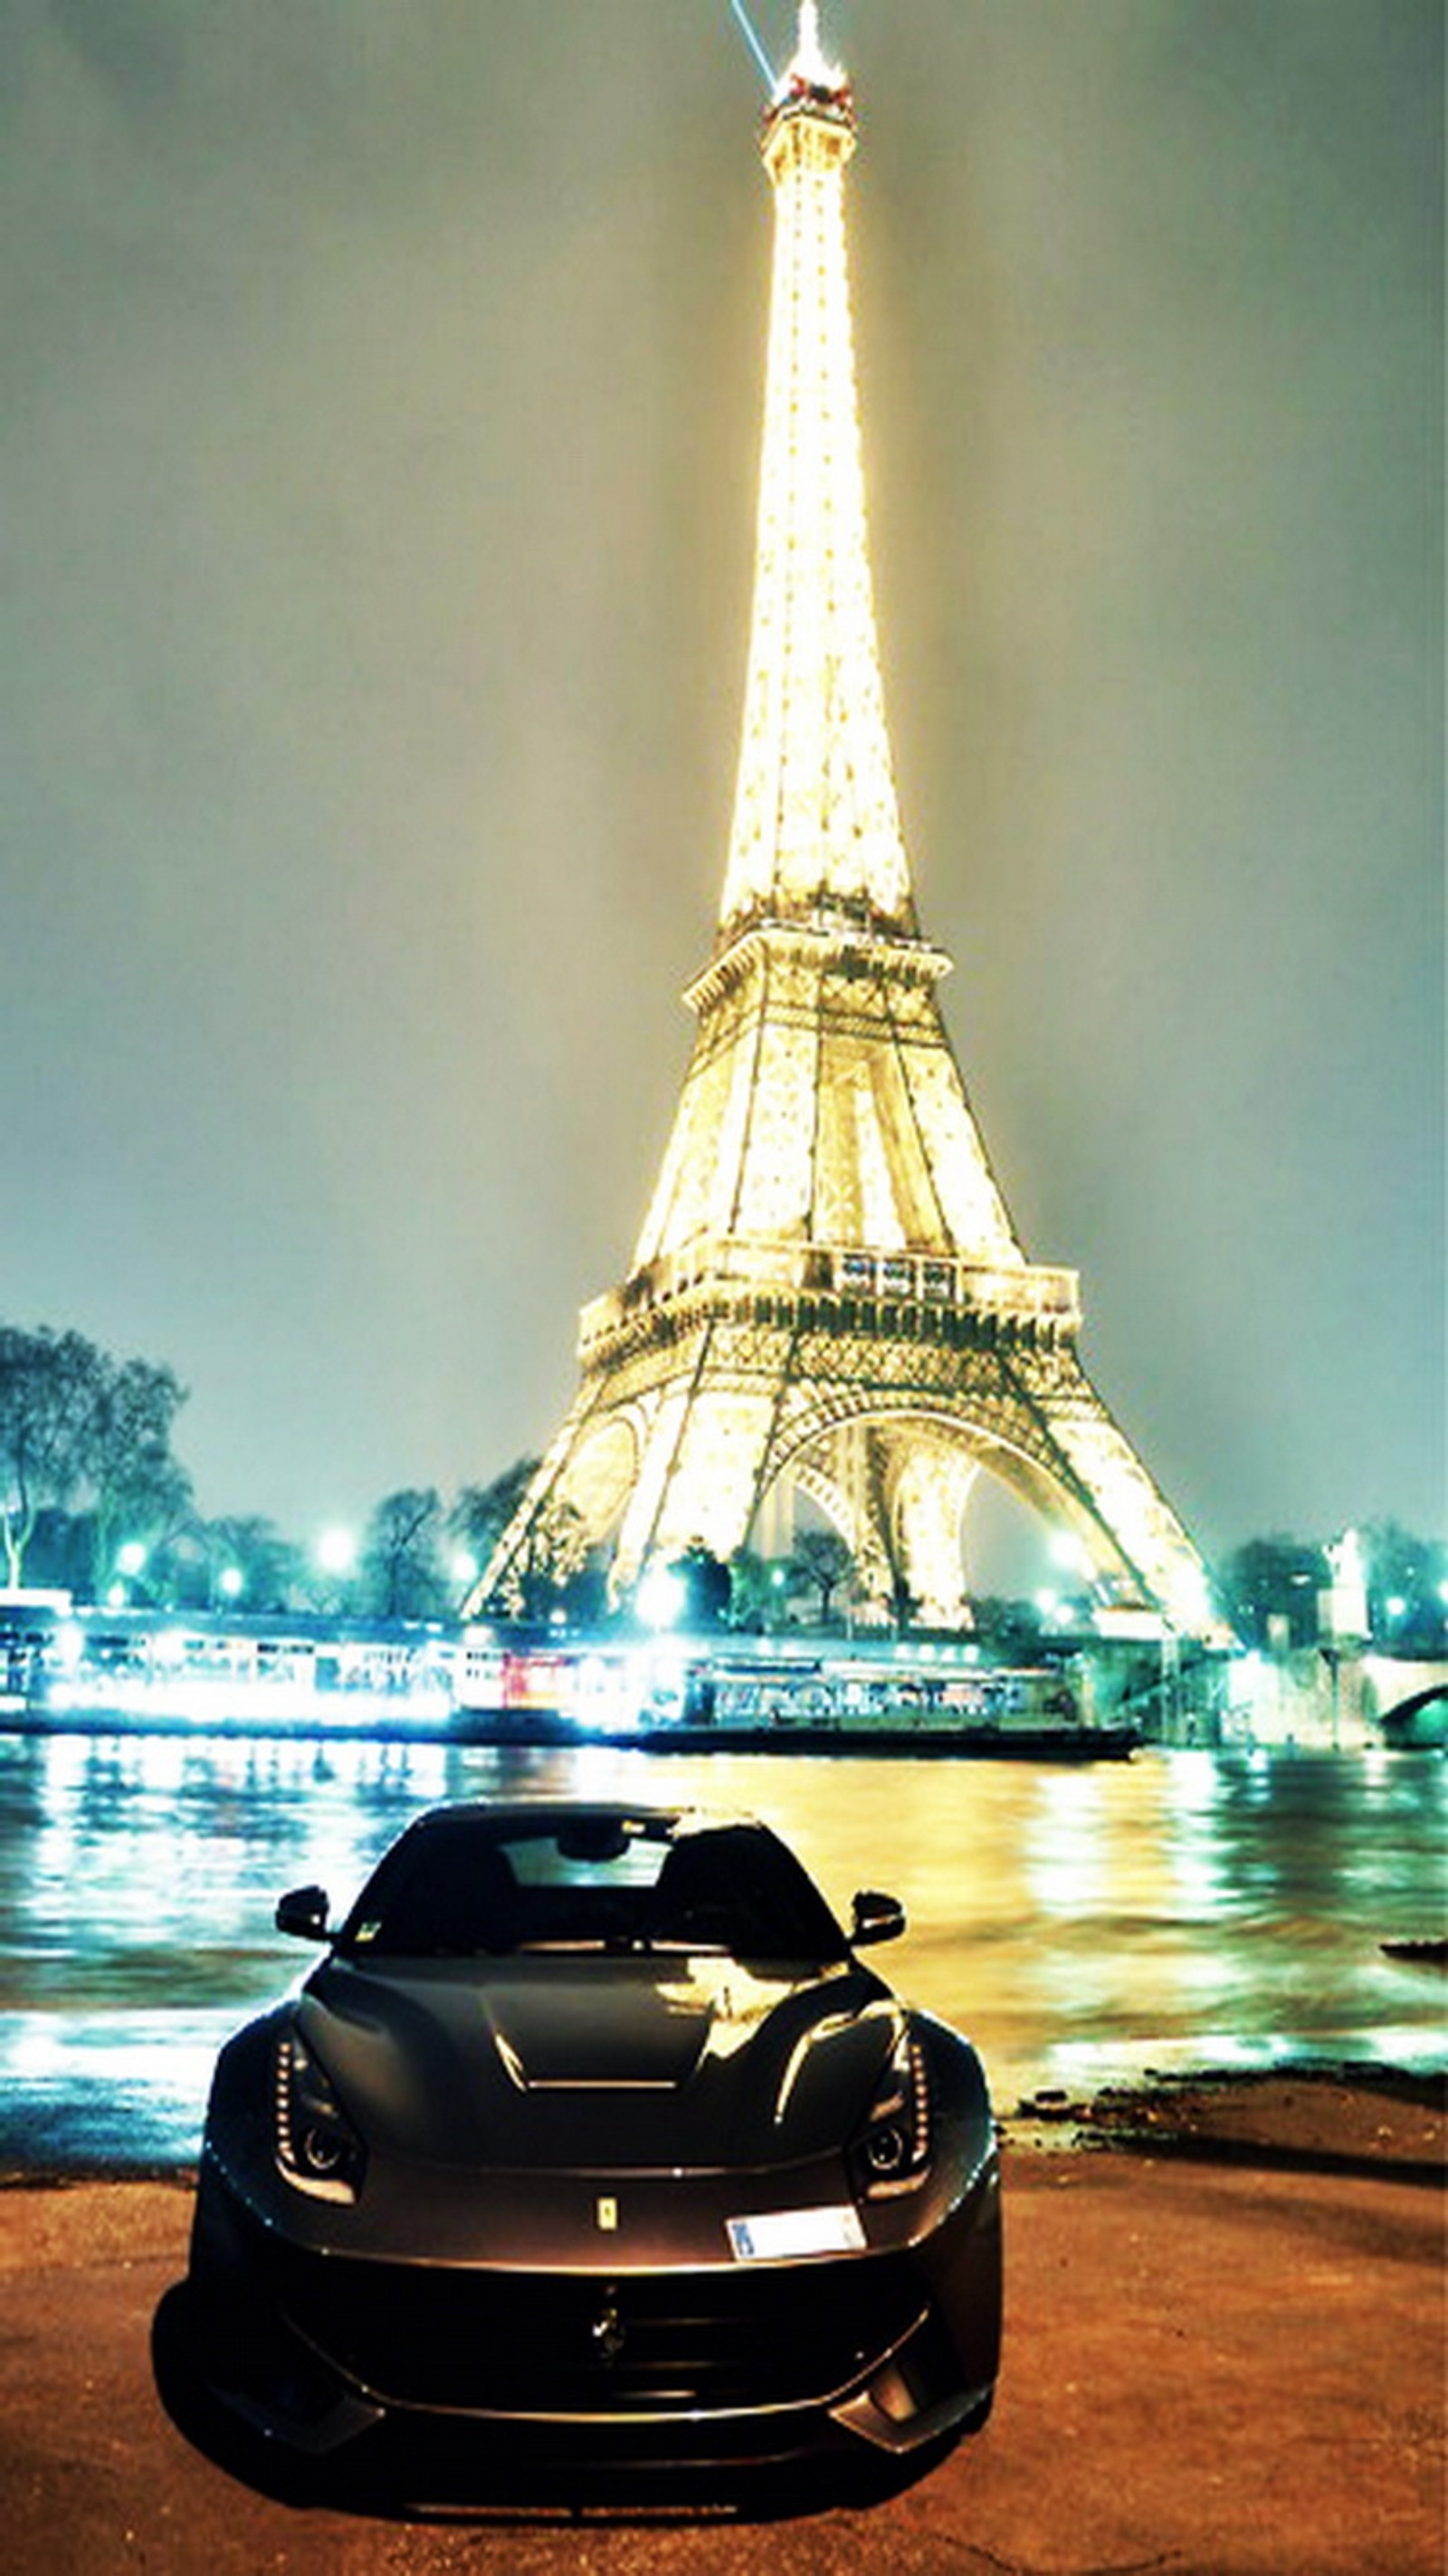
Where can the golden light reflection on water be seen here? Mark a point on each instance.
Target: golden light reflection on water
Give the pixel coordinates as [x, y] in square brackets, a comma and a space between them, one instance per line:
[1083, 1923]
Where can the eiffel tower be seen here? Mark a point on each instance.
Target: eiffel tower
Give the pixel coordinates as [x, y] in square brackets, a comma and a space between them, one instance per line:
[828, 1296]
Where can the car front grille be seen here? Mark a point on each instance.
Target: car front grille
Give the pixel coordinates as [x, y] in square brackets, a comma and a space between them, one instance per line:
[540, 2344]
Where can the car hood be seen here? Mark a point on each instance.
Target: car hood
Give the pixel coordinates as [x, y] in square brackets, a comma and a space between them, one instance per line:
[642, 2062]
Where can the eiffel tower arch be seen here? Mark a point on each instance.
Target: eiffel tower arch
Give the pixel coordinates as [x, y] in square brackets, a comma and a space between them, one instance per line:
[828, 1294]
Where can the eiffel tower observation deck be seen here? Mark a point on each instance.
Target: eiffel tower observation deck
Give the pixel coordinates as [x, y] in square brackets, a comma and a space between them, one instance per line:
[828, 1296]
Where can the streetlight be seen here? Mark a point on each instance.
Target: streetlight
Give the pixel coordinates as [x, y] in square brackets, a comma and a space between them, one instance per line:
[336, 1551]
[661, 1597]
[130, 1561]
[336, 1554]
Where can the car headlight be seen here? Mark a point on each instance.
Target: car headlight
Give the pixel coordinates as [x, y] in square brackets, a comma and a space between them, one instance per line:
[317, 2147]
[892, 2150]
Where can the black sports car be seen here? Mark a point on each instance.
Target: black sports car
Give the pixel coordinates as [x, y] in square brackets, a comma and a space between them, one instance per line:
[593, 2145]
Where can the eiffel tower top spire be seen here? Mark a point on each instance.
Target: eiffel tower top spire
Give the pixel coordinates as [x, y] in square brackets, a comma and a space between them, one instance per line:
[816, 822]
[809, 64]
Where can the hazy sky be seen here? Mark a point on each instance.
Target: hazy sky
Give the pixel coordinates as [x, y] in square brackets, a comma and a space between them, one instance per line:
[379, 405]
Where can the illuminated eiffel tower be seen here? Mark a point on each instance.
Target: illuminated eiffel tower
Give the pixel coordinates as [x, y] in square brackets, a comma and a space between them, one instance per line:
[828, 1296]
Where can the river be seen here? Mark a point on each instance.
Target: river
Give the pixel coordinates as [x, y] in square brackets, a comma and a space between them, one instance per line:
[1084, 1924]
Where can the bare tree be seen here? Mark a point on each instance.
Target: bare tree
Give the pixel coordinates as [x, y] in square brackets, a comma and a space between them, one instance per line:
[401, 1572]
[823, 1560]
[138, 1490]
[48, 1386]
[481, 1513]
[78, 1425]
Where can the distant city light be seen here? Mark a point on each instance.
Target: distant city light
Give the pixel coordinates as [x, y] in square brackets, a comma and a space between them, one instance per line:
[130, 1558]
[231, 1583]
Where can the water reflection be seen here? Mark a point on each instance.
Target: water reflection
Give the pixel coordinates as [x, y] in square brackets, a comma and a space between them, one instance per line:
[1083, 1924]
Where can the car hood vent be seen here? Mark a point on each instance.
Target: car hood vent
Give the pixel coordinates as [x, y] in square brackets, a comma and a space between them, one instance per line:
[553, 2035]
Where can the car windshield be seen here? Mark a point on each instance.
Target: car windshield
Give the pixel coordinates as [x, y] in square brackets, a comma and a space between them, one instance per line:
[474, 1884]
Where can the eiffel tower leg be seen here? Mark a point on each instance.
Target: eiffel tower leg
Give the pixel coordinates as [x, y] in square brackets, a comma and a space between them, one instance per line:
[900, 1430]
[774, 1521]
[854, 1476]
[578, 1487]
[699, 1476]
[898, 1496]
[1084, 1461]
[842, 1479]
[931, 1486]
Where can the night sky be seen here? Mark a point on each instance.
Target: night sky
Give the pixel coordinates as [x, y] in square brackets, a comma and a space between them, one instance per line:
[378, 436]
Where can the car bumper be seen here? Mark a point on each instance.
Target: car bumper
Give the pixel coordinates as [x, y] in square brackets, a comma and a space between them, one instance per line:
[478, 2372]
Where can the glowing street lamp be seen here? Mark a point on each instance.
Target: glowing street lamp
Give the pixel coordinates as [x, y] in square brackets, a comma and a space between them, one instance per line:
[130, 1564]
[336, 1554]
[464, 1569]
[337, 1551]
[661, 1598]
[231, 1583]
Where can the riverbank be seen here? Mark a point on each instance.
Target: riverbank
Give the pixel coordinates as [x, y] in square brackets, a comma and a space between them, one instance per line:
[1225, 2348]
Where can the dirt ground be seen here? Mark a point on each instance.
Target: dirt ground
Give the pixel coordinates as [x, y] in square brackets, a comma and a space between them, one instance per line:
[1225, 2353]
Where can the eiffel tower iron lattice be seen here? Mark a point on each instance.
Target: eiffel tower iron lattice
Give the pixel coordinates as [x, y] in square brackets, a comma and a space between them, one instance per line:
[828, 1294]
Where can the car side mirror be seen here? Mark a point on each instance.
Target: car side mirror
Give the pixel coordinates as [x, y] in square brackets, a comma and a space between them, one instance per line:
[303, 1913]
[876, 1918]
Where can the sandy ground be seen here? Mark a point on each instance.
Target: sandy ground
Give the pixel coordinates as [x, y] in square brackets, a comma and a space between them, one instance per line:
[1225, 2352]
